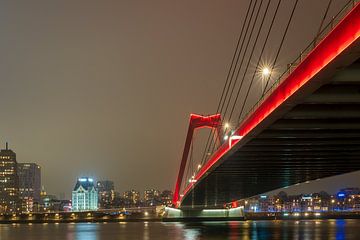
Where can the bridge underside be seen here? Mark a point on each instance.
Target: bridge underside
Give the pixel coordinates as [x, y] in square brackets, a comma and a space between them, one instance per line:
[319, 136]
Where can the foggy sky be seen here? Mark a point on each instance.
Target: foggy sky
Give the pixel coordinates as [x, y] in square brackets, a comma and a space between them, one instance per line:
[105, 88]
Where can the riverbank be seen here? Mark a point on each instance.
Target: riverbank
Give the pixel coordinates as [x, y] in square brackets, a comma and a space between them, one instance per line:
[152, 217]
[302, 216]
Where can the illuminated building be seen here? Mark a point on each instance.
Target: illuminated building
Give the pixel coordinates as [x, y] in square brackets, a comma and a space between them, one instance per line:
[166, 197]
[9, 182]
[152, 197]
[348, 199]
[48, 202]
[29, 184]
[132, 197]
[106, 193]
[84, 195]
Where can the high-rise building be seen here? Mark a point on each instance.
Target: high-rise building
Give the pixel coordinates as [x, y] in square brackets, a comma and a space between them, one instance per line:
[132, 197]
[29, 184]
[9, 182]
[106, 193]
[84, 195]
[166, 197]
[152, 197]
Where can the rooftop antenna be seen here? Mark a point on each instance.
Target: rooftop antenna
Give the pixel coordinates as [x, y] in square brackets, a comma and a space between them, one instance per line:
[7, 146]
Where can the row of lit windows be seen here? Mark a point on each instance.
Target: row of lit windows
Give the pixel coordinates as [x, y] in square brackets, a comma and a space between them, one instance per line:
[3, 163]
[6, 173]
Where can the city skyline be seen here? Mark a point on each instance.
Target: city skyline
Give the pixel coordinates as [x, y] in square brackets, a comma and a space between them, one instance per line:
[326, 184]
[82, 103]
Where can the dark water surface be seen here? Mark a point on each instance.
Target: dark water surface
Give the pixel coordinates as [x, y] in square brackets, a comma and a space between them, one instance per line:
[277, 229]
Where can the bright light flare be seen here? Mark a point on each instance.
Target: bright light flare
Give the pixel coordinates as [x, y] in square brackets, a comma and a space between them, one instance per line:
[265, 72]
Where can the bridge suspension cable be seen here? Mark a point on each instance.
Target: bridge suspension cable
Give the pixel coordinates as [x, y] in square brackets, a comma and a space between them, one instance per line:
[323, 20]
[278, 51]
[243, 58]
[262, 52]
[255, 41]
[245, 50]
[238, 66]
[249, 59]
[228, 98]
[228, 81]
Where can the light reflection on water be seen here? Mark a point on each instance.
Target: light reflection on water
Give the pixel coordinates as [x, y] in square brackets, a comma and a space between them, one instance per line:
[277, 229]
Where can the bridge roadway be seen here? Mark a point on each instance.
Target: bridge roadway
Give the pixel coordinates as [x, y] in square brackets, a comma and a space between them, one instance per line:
[307, 129]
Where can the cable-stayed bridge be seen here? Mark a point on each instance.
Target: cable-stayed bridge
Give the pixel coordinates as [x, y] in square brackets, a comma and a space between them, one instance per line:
[305, 126]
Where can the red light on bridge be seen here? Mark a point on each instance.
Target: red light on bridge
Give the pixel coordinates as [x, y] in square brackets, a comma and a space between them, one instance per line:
[340, 38]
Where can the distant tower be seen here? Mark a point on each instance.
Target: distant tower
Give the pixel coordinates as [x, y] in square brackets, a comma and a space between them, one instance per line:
[9, 181]
[29, 184]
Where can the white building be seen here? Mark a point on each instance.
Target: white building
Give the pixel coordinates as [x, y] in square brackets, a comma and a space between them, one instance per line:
[84, 195]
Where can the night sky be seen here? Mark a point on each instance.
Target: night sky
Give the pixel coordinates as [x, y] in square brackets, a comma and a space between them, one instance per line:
[105, 88]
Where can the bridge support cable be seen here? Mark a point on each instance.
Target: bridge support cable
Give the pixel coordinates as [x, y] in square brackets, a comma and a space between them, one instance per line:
[312, 43]
[322, 21]
[238, 66]
[279, 49]
[259, 59]
[251, 55]
[229, 77]
[190, 165]
[243, 58]
[247, 38]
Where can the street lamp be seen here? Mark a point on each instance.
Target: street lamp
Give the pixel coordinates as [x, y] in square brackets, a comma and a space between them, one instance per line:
[265, 72]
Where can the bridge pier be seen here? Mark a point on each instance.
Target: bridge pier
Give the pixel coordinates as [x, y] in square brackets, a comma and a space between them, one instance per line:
[199, 214]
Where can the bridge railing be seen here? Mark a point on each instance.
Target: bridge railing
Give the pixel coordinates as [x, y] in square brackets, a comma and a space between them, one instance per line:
[291, 66]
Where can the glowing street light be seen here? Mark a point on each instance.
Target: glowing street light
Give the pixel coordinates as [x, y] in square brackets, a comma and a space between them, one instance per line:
[265, 72]
[226, 126]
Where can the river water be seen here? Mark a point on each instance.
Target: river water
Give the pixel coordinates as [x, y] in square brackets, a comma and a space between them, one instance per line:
[277, 229]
